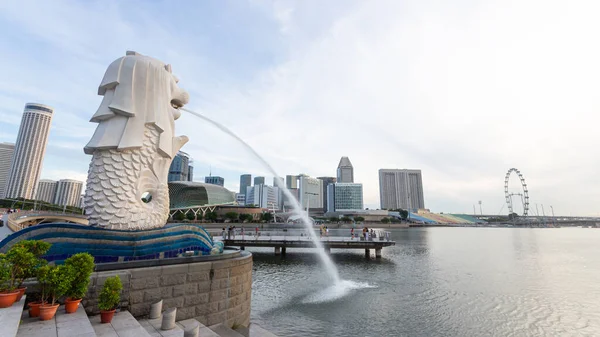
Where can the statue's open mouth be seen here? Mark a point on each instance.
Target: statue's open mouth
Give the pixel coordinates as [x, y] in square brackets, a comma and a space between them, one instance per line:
[176, 104]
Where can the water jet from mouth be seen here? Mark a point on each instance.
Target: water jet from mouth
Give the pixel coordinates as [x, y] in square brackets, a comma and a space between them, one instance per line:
[329, 266]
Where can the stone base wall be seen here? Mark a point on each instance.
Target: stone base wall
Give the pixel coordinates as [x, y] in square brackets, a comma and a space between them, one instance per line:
[212, 292]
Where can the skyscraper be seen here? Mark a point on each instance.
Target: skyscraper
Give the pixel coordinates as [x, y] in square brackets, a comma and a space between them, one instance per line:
[215, 180]
[6, 154]
[245, 181]
[291, 181]
[263, 196]
[401, 189]
[310, 192]
[68, 192]
[46, 190]
[259, 181]
[180, 168]
[325, 182]
[26, 164]
[345, 171]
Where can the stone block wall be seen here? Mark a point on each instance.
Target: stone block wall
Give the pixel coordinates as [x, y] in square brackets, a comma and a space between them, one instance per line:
[212, 292]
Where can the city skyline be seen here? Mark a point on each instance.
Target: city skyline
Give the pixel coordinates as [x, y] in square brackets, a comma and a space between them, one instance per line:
[405, 104]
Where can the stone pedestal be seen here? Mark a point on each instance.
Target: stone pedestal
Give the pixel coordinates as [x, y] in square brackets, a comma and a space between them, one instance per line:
[155, 310]
[192, 332]
[277, 250]
[168, 320]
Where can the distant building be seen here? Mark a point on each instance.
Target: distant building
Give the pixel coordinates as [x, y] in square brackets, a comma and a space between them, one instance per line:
[68, 192]
[26, 164]
[46, 190]
[345, 171]
[81, 198]
[401, 189]
[344, 197]
[245, 181]
[278, 182]
[190, 176]
[259, 181]
[291, 181]
[325, 182]
[240, 199]
[180, 168]
[263, 196]
[310, 192]
[215, 180]
[6, 155]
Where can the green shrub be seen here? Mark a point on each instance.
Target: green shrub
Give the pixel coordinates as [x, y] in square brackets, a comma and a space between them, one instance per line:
[111, 294]
[82, 265]
[56, 281]
[6, 269]
[23, 263]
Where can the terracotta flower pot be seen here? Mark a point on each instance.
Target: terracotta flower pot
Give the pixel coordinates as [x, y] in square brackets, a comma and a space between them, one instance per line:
[34, 309]
[71, 305]
[8, 298]
[21, 293]
[47, 311]
[106, 316]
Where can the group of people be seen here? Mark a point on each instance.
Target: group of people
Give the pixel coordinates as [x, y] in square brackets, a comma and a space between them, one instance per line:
[231, 231]
[324, 230]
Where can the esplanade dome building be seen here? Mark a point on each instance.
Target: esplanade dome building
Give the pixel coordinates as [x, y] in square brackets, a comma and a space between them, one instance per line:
[189, 194]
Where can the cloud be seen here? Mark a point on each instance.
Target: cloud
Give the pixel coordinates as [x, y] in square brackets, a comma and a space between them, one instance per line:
[463, 90]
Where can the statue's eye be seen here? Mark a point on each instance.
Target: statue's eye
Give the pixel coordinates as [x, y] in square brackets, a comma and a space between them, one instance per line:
[146, 197]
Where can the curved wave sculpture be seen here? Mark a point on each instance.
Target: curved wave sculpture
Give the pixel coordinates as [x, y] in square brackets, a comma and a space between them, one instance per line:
[108, 245]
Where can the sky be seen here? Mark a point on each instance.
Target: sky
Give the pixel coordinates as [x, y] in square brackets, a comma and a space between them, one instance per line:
[463, 90]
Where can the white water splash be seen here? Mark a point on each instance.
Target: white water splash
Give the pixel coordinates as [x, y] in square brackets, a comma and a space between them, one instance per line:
[329, 266]
[335, 291]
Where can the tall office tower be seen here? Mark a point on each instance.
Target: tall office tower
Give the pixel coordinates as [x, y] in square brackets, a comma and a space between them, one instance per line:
[325, 182]
[345, 171]
[245, 181]
[263, 196]
[180, 168]
[215, 180]
[6, 154]
[401, 189]
[278, 181]
[291, 181]
[26, 164]
[68, 192]
[311, 190]
[344, 197]
[46, 190]
[190, 176]
[259, 181]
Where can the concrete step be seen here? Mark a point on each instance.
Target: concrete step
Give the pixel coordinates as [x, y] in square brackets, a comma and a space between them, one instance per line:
[152, 326]
[11, 317]
[224, 331]
[122, 325]
[204, 330]
[61, 325]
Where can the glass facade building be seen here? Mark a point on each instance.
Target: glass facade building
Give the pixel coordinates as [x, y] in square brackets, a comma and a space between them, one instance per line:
[344, 197]
[245, 181]
[215, 180]
[345, 171]
[181, 169]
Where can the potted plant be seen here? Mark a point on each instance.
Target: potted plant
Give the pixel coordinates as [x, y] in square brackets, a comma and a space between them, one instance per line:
[26, 258]
[8, 293]
[82, 265]
[57, 282]
[109, 298]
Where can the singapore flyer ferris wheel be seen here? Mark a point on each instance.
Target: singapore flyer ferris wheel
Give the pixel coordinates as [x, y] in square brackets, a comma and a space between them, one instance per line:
[524, 194]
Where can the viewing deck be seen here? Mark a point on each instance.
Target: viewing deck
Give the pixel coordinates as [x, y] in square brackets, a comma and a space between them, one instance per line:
[282, 242]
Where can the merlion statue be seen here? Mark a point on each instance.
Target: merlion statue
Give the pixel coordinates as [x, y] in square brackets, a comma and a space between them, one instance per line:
[133, 145]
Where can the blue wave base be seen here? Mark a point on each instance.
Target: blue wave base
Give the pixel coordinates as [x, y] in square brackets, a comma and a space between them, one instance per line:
[107, 245]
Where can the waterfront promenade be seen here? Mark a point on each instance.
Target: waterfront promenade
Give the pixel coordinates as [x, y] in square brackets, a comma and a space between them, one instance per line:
[280, 243]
